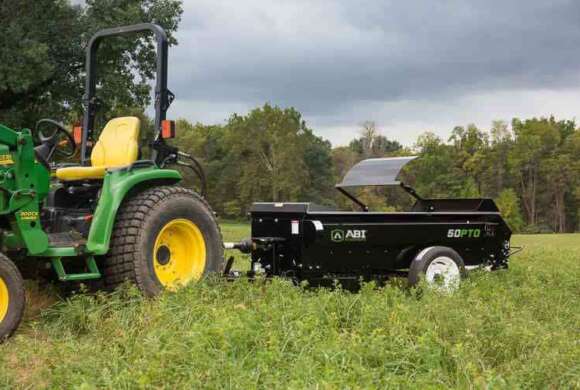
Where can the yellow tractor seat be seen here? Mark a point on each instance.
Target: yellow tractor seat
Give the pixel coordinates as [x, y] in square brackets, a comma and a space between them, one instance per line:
[118, 146]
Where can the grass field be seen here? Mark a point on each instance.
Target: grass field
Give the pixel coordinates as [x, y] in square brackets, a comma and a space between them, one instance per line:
[510, 329]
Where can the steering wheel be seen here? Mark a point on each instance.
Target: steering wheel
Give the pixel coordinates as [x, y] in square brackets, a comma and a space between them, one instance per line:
[59, 141]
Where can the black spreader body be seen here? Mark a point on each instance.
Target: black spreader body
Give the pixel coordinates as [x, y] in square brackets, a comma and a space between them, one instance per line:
[307, 241]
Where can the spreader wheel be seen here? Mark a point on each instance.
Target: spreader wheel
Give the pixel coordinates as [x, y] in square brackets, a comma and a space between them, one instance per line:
[12, 297]
[441, 267]
[164, 238]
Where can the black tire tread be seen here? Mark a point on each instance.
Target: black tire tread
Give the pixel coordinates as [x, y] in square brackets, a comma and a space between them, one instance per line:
[119, 262]
[18, 312]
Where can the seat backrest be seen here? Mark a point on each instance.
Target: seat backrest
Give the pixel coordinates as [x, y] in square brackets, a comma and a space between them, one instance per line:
[118, 144]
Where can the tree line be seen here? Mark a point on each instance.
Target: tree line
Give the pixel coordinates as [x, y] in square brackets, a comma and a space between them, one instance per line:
[530, 167]
[42, 58]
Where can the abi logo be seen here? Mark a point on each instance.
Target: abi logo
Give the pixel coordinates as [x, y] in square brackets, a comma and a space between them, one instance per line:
[339, 235]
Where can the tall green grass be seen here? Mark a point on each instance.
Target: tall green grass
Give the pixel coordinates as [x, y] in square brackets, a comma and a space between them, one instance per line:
[509, 329]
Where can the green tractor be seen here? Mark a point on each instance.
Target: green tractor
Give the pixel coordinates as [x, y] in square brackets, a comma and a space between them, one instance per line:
[116, 216]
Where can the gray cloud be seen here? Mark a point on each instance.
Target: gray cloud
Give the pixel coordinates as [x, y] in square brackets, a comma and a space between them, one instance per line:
[341, 62]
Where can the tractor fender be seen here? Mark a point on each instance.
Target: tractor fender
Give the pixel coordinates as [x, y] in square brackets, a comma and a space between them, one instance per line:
[117, 185]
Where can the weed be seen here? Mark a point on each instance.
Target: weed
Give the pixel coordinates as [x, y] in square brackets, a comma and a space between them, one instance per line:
[507, 329]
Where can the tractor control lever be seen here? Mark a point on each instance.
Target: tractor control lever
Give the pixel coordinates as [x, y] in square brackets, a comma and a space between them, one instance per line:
[196, 167]
[173, 156]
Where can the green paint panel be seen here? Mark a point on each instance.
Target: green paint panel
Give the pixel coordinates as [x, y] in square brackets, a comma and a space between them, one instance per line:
[68, 251]
[63, 276]
[25, 184]
[116, 185]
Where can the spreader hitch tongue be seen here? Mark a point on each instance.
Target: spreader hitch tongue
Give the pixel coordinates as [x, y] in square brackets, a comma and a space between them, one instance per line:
[244, 246]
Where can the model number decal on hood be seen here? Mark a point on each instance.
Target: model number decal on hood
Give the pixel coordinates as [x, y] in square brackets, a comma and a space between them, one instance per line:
[6, 159]
[463, 233]
[339, 235]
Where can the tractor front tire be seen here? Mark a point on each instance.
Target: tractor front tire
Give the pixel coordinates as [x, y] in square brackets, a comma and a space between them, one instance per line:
[12, 297]
[164, 238]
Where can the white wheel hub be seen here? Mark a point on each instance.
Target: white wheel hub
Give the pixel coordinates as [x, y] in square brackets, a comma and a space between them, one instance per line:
[443, 273]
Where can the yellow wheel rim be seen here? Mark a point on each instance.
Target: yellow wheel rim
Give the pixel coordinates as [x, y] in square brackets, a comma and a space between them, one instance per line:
[4, 299]
[179, 254]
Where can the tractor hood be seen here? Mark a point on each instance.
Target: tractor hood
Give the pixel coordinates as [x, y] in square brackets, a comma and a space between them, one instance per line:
[375, 172]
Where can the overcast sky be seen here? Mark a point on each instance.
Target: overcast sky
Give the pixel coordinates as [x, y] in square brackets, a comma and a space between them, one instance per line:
[410, 66]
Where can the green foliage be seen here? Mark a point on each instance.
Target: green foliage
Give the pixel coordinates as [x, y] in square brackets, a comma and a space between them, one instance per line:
[439, 171]
[42, 56]
[507, 329]
[372, 144]
[268, 155]
[41, 48]
[509, 205]
[535, 140]
[232, 208]
[539, 160]
[268, 146]
[318, 159]
[544, 163]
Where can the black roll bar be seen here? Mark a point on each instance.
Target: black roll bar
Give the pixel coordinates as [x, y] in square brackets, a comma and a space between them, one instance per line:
[163, 97]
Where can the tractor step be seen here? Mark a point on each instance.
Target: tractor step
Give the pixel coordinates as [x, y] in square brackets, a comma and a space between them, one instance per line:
[65, 239]
[63, 276]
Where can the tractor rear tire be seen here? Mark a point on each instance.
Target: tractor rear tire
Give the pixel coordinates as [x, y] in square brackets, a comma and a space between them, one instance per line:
[163, 238]
[12, 297]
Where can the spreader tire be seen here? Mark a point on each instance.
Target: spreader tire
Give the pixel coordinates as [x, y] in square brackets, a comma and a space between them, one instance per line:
[164, 238]
[437, 264]
[12, 297]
